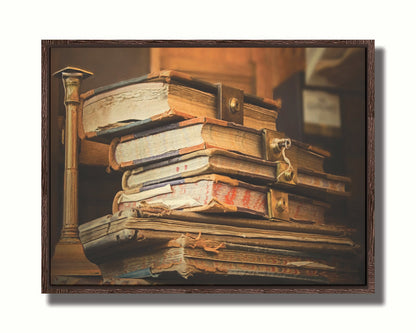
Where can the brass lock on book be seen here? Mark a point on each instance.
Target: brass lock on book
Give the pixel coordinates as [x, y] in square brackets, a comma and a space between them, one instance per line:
[278, 204]
[285, 174]
[273, 144]
[230, 104]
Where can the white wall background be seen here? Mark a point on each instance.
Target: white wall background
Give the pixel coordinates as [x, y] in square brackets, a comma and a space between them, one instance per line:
[25, 23]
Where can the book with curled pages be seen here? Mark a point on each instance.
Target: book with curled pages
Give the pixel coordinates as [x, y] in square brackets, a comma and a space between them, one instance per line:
[213, 193]
[209, 193]
[164, 97]
[184, 247]
[248, 169]
[194, 146]
[180, 138]
[211, 160]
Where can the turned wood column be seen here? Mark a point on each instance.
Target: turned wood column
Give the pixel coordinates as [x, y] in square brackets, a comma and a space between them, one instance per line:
[69, 258]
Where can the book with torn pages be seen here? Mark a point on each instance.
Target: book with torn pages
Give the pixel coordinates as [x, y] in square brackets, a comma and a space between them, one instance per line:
[207, 193]
[168, 250]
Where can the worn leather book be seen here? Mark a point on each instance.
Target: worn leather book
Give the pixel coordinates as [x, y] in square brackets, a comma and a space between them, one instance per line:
[188, 260]
[159, 98]
[242, 167]
[195, 134]
[127, 246]
[122, 233]
[181, 138]
[209, 193]
[200, 162]
[274, 223]
[213, 193]
[100, 227]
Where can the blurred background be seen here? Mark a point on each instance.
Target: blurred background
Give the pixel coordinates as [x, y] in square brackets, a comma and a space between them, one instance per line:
[323, 103]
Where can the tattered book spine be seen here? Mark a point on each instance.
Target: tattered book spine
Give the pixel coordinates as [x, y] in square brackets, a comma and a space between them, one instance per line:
[104, 222]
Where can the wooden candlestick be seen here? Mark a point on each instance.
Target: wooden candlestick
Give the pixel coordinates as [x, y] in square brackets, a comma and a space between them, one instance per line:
[69, 259]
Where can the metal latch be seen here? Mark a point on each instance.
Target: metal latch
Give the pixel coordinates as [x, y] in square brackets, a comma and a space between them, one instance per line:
[285, 175]
[278, 204]
[230, 104]
[273, 144]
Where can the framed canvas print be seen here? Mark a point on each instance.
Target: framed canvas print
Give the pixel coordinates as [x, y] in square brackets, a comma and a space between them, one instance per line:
[207, 166]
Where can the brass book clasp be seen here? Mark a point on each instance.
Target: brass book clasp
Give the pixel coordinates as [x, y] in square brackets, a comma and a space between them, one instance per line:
[230, 104]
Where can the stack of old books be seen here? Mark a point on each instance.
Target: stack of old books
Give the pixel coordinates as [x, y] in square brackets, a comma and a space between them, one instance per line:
[210, 192]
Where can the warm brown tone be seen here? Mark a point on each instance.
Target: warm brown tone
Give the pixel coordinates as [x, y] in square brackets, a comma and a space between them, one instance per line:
[255, 70]
[127, 243]
[47, 173]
